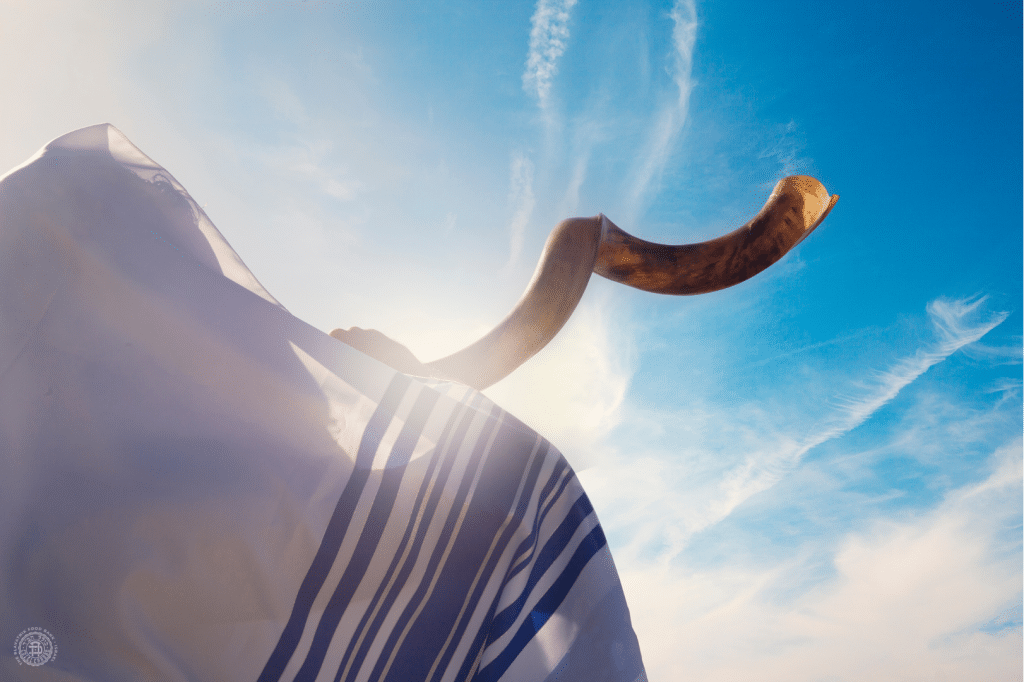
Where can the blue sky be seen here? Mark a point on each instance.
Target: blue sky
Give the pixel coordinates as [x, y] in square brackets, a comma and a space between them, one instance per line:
[814, 475]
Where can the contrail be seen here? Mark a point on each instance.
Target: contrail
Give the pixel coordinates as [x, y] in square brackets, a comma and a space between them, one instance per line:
[548, 39]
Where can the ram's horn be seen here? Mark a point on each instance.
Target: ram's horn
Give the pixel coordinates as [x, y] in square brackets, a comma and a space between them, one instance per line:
[797, 205]
[557, 286]
[579, 246]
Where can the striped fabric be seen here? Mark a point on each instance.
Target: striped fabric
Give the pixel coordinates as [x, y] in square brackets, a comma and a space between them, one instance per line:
[199, 486]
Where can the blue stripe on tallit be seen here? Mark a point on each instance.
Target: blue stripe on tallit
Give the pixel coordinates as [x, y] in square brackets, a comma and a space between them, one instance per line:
[433, 565]
[609, 652]
[543, 499]
[482, 636]
[469, 608]
[336, 529]
[530, 543]
[464, 421]
[366, 546]
[553, 548]
[487, 510]
[434, 624]
[547, 605]
[450, 440]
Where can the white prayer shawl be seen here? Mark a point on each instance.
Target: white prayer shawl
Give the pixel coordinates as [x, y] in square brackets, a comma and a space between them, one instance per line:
[196, 485]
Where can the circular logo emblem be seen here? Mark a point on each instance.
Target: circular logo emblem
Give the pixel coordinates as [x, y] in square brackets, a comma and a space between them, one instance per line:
[34, 646]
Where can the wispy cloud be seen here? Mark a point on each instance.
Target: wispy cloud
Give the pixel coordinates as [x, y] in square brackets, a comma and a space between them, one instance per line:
[862, 595]
[956, 325]
[784, 148]
[684, 37]
[549, 37]
[672, 115]
[571, 199]
[667, 497]
[810, 347]
[522, 201]
[927, 597]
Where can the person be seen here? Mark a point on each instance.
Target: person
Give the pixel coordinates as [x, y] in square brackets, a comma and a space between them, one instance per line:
[199, 486]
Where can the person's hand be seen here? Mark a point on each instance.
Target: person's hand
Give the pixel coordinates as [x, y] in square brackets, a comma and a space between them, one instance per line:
[380, 347]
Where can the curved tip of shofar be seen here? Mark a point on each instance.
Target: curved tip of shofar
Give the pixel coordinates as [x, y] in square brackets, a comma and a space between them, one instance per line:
[795, 208]
[580, 246]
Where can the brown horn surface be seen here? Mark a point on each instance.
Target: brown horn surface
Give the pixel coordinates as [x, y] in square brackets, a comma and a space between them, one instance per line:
[796, 206]
[579, 246]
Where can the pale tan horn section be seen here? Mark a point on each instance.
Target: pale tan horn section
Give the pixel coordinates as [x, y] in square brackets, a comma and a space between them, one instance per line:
[557, 286]
[580, 246]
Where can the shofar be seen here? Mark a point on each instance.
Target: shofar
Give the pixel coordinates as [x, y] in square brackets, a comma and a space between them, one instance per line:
[579, 246]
